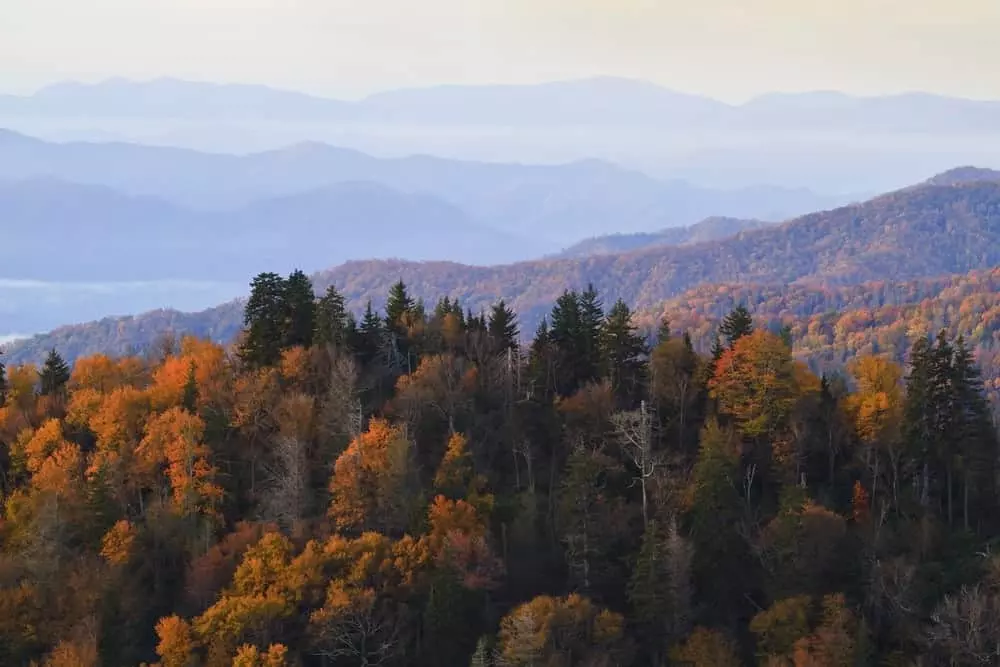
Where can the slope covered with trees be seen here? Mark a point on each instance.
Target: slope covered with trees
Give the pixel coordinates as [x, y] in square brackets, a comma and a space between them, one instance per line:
[418, 488]
[709, 229]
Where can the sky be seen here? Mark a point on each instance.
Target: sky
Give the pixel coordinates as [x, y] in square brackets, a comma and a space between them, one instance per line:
[728, 49]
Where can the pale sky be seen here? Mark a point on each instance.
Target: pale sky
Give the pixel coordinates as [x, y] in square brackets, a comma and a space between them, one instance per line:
[729, 49]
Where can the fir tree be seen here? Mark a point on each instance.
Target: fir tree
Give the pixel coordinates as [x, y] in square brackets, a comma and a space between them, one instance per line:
[190, 398]
[264, 321]
[663, 330]
[299, 302]
[371, 334]
[331, 319]
[502, 327]
[397, 307]
[736, 325]
[54, 374]
[3, 384]
[624, 353]
[591, 325]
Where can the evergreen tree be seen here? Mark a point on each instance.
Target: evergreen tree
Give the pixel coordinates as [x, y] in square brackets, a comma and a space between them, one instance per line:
[624, 354]
[502, 327]
[541, 361]
[977, 438]
[3, 383]
[570, 338]
[717, 349]
[663, 330]
[54, 374]
[736, 325]
[264, 320]
[332, 319]
[591, 325]
[371, 334]
[300, 311]
[397, 307]
[190, 397]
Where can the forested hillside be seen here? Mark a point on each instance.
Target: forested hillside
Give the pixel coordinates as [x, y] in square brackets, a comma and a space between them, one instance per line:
[709, 229]
[418, 488]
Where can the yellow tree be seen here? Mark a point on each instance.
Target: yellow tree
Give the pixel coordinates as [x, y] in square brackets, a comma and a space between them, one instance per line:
[877, 410]
[706, 648]
[174, 440]
[370, 482]
[177, 644]
[756, 384]
[248, 655]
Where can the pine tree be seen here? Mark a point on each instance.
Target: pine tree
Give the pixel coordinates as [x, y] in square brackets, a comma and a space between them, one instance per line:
[541, 362]
[737, 324]
[976, 436]
[331, 319]
[569, 336]
[300, 310]
[264, 320]
[624, 354]
[502, 327]
[54, 374]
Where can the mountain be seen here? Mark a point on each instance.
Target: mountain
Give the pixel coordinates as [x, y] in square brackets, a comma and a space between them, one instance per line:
[92, 233]
[597, 101]
[709, 229]
[559, 204]
[912, 234]
[962, 175]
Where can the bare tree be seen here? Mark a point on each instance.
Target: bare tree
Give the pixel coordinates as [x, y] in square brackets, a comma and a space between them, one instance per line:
[287, 475]
[636, 432]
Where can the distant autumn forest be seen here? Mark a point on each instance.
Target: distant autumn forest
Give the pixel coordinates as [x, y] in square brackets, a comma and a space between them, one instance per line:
[425, 485]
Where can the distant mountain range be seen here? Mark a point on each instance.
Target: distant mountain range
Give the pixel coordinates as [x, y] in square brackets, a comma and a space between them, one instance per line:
[709, 229]
[595, 101]
[920, 232]
[557, 205]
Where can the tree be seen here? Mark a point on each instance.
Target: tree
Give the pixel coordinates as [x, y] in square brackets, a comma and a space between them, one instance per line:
[660, 589]
[3, 383]
[502, 327]
[299, 306]
[706, 648]
[264, 319]
[54, 375]
[398, 306]
[624, 353]
[737, 324]
[332, 319]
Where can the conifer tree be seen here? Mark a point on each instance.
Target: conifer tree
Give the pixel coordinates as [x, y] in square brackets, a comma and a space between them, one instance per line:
[569, 337]
[398, 305]
[189, 400]
[663, 332]
[3, 384]
[502, 327]
[54, 374]
[371, 334]
[332, 319]
[300, 310]
[624, 354]
[264, 320]
[591, 325]
[737, 324]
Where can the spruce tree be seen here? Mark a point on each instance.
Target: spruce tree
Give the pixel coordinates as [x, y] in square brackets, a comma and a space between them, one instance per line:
[264, 321]
[502, 327]
[737, 324]
[591, 325]
[398, 306]
[371, 334]
[3, 384]
[299, 303]
[54, 374]
[189, 400]
[663, 330]
[624, 352]
[331, 319]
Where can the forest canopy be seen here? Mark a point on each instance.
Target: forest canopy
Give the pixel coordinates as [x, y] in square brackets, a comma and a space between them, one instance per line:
[420, 486]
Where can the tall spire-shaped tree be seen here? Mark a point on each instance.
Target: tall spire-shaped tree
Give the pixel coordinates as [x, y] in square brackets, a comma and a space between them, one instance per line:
[331, 319]
[54, 374]
[299, 301]
[264, 321]
[502, 327]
